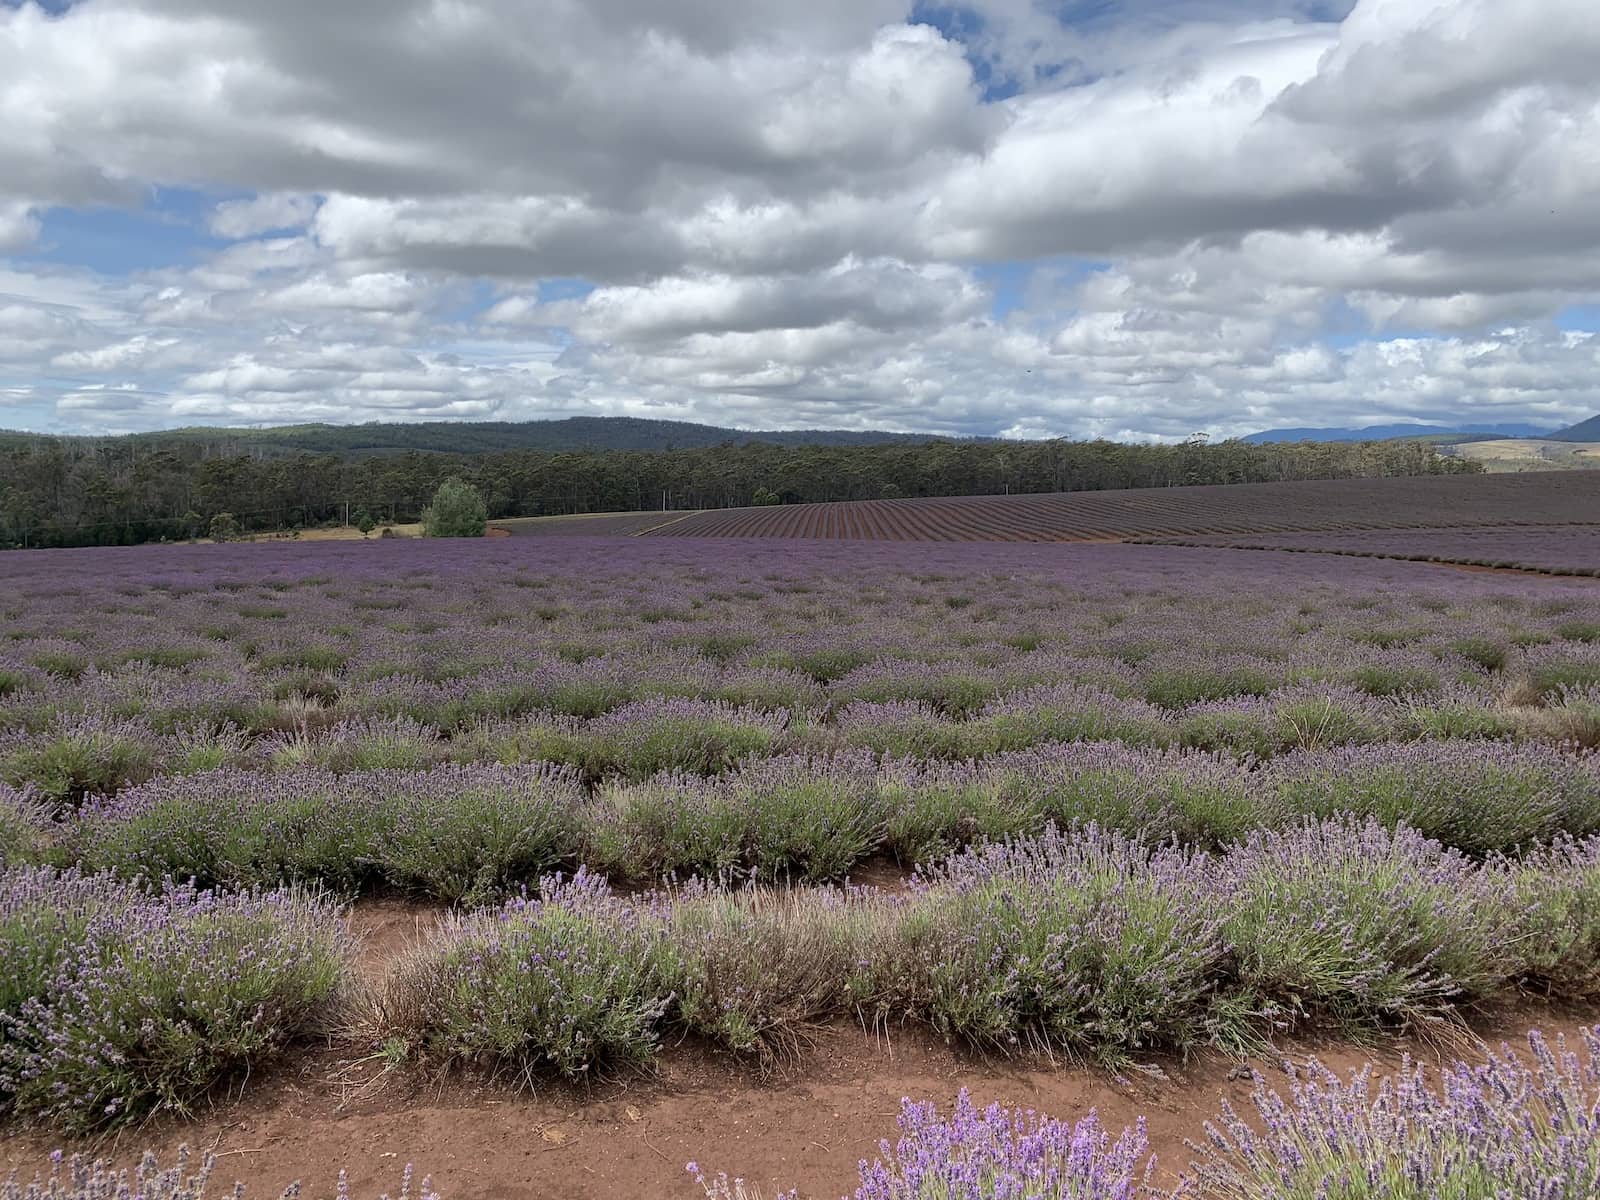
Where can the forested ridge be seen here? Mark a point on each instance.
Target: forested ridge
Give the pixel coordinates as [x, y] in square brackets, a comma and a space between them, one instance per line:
[73, 492]
[466, 437]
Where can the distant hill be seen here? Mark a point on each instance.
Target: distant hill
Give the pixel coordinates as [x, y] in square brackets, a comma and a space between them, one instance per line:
[1378, 433]
[1583, 431]
[485, 437]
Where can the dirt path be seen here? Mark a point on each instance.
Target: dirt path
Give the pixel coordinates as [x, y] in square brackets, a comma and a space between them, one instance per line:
[805, 1124]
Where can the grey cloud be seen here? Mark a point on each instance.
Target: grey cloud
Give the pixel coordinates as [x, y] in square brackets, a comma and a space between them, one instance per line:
[785, 211]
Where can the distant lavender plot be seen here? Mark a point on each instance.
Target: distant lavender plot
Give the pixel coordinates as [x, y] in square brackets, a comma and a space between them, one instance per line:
[1220, 509]
[1563, 548]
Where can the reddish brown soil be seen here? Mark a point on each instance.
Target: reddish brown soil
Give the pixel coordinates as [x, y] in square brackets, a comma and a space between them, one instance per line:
[388, 928]
[804, 1123]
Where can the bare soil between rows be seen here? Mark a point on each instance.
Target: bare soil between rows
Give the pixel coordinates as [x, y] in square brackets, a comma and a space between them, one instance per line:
[804, 1122]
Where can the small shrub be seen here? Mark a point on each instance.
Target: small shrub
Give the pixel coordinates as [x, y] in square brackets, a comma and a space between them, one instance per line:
[565, 985]
[1089, 944]
[1349, 922]
[24, 821]
[672, 824]
[752, 969]
[809, 819]
[1557, 902]
[1067, 713]
[475, 834]
[1175, 687]
[364, 744]
[934, 809]
[1487, 653]
[647, 737]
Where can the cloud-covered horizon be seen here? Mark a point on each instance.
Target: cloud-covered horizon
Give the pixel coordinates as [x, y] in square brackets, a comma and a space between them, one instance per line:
[999, 217]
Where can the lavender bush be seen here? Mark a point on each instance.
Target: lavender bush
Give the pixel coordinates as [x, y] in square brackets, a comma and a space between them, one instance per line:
[979, 1154]
[1557, 901]
[567, 984]
[1513, 1127]
[364, 744]
[23, 826]
[1354, 923]
[641, 739]
[126, 1002]
[749, 969]
[76, 757]
[1089, 943]
[1311, 716]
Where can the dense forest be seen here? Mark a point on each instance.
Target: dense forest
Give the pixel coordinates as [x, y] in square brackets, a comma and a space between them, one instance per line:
[79, 492]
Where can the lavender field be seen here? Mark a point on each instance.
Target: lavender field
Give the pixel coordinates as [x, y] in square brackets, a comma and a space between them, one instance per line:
[1100, 801]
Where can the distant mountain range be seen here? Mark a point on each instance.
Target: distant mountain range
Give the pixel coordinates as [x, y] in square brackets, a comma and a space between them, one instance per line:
[1583, 431]
[575, 434]
[483, 437]
[1373, 433]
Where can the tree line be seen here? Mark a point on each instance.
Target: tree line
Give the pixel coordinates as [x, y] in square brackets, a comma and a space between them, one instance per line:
[116, 493]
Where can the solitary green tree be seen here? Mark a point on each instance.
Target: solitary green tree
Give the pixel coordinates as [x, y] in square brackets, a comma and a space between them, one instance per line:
[764, 496]
[457, 510]
[365, 522]
[224, 527]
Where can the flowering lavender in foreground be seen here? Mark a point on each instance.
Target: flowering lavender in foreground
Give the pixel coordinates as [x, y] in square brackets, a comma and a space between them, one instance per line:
[1084, 942]
[85, 1180]
[994, 1153]
[564, 984]
[1511, 1129]
[116, 1003]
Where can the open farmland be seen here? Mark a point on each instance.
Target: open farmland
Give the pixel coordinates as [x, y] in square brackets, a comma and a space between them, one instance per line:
[522, 859]
[1529, 454]
[1335, 504]
[620, 524]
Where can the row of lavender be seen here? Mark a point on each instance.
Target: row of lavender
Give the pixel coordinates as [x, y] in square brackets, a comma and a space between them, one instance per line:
[958, 682]
[1085, 942]
[117, 1000]
[80, 756]
[73, 758]
[476, 833]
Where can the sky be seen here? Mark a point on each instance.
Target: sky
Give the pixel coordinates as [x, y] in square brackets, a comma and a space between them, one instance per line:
[1138, 219]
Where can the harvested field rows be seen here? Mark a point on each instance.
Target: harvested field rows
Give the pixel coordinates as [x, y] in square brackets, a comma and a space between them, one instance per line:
[1556, 549]
[1339, 504]
[623, 524]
